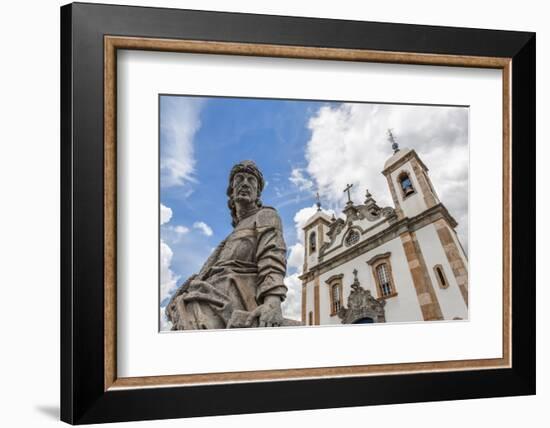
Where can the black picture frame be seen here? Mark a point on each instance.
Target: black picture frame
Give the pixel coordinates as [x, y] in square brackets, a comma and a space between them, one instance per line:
[83, 397]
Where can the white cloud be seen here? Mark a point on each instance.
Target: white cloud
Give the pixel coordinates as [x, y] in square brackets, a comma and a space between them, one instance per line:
[165, 214]
[203, 227]
[296, 256]
[349, 144]
[181, 230]
[179, 122]
[174, 234]
[165, 323]
[296, 253]
[168, 280]
[299, 180]
[292, 305]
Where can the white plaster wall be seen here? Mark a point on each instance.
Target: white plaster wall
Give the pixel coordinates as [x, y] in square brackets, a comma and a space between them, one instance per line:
[309, 300]
[414, 204]
[402, 308]
[450, 299]
[324, 297]
[367, 224]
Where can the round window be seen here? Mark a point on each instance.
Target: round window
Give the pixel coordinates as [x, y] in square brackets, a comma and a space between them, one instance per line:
[352, 238]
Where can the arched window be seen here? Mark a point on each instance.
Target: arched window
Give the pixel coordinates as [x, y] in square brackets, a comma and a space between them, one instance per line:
[312, 242]
[440, 276]
[406, 185]
[384, 280]
[352, 237]
[382, 272]
[335, 291]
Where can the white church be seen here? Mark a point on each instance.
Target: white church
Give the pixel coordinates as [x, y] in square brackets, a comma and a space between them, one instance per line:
[386, 264]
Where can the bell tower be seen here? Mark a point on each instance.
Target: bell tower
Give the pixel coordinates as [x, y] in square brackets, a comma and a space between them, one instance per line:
[315, 231]
[410, 185]
[315, 235]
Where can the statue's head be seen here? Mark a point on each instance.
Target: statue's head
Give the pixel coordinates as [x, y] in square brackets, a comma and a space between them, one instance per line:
[246, 183]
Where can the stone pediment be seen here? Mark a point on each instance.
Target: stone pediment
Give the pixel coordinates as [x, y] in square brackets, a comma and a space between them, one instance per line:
[362, 217]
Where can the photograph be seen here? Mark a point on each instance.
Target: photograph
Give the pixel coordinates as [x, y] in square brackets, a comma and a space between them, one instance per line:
[299, 213]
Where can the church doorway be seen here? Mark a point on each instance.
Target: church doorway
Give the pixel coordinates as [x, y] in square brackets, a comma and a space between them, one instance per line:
[365, 320]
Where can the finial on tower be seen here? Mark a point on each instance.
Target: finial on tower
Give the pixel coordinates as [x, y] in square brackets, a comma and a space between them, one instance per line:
[368, 195]
[391, 139]
[318, 203]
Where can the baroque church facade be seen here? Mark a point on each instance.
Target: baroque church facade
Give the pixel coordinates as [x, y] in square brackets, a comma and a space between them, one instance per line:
[386, 264]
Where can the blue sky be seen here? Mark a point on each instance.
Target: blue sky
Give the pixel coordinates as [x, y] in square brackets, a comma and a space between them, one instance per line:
[270, 132]
[301, 147]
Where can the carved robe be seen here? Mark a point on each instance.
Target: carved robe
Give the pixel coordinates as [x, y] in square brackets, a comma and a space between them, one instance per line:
[247, 266]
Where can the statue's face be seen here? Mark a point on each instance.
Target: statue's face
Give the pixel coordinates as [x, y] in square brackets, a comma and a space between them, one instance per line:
[245, 187]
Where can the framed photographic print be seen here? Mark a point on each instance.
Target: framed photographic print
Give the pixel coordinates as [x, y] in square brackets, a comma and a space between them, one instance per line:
[265, 213]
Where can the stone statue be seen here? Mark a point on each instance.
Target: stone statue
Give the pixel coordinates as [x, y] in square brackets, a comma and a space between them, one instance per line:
[241, 283]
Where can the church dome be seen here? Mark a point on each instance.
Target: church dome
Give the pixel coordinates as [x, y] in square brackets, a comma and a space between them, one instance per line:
[396, 156]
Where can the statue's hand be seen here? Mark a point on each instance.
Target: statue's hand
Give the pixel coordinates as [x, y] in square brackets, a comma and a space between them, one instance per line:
[269, 314]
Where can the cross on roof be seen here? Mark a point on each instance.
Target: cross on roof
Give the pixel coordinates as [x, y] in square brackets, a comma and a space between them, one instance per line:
[347, 189]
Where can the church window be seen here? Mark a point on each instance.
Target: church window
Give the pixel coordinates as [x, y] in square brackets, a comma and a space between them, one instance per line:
[405, 183]
[312, 242]
[352, 237]
[335, 291]
[440, 276]
[384, 280]
[383, 277]
[335, 298]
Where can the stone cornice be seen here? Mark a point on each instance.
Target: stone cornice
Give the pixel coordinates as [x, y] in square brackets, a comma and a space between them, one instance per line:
[400, 162]
[334, 278]
[314, 222]
[379, 257]
[407, 224]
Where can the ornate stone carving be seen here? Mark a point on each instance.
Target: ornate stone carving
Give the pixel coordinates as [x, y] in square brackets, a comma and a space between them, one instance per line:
[334, 229]
[352, 237]
[361, 305]
[369, 211]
